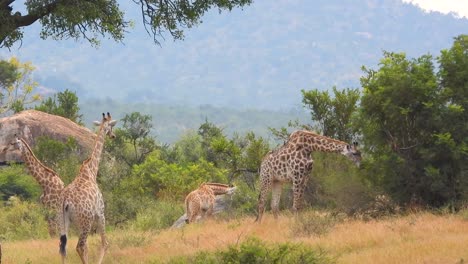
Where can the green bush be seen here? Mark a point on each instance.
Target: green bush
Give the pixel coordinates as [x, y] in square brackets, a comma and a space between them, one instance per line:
[254, 251]
[60, 156]
[244, 200]
[157, 215]
[22, 220]
[15, 181]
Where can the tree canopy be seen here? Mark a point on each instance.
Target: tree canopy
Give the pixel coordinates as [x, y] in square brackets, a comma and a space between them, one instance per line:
[98, 18]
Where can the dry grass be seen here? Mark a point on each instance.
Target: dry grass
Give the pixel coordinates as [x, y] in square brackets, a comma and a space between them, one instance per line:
[417, 238]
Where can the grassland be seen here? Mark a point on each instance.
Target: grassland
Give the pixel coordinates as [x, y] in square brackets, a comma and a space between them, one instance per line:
[422, 237]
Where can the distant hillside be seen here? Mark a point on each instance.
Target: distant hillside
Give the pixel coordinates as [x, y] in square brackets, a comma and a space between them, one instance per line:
[170, 122]
[256, 58]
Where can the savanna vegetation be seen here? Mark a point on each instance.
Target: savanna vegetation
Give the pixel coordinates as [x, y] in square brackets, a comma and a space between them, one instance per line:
[408, 198]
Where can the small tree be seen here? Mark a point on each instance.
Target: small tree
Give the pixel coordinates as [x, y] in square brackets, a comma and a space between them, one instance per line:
[16, 86]
[63, 104]
[332, 115]
[133, 141]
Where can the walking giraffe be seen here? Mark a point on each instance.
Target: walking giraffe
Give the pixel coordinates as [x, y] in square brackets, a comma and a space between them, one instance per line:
[48, 179]
[82, 202]
[200, 202]
[292, 163]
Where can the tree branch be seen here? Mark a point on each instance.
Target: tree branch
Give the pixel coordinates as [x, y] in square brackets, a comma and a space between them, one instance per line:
[26, 20]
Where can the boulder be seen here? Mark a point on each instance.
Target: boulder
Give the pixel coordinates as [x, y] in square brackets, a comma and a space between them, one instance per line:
[31, 124]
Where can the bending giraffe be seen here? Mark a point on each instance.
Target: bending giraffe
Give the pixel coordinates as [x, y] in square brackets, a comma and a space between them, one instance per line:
[82, 202]
[292, 163]
[47, 178]
[200, 202]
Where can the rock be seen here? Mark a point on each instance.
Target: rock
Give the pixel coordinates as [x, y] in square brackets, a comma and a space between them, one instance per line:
[31, 124]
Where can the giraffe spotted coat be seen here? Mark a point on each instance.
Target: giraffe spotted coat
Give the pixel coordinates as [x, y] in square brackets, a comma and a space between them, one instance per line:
[200, 202]
[82, 202]
[292, 163]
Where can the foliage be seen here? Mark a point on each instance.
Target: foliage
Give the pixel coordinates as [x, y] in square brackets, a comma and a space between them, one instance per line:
[62, 104]
[255, 251]
[133, 141]
[15, 181]
[168, 180]
[8, 73]
[414, 125]
[62, 157]
[22, 220]
[157, 216]
[93, 19]
[332, 114]
[17, 86]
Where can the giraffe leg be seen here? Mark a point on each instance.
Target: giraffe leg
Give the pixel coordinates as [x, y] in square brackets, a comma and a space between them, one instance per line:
[82, 247]
[209, 212]
[264, 189]
[101, 229]
[298, 193]
[275, 197]
[193, 212]
[52, 226]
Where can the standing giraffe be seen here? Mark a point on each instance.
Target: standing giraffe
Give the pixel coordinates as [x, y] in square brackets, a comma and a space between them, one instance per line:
[200, 202]
[82, 202]
[292, 163]
[48, 179]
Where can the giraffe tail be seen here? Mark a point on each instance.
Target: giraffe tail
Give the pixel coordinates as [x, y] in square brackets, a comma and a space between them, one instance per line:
[65, 215]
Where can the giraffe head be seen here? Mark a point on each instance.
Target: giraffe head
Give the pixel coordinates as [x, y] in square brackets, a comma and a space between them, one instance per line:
[15, 144]
[352, 153]
[107, 124]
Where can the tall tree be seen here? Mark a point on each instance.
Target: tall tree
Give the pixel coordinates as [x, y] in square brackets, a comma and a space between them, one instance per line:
[400, 119]
[93, 19]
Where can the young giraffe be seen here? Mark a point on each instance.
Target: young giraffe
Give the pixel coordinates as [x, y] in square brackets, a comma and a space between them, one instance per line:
[82, 202]
[200, 202]
[48, 179]
[292, 163]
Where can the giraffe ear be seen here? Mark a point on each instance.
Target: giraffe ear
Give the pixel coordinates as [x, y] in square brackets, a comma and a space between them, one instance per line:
[96, 123]
[112, 123]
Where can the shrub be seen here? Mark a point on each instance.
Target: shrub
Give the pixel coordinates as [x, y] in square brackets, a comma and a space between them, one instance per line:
[15, 181]
[255, 251]
[22, 220]
[157, 215]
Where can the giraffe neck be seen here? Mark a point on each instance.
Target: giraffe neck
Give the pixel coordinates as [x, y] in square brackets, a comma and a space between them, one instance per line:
[90, 166]
[218, 188]
[45, 176]
[310, 141]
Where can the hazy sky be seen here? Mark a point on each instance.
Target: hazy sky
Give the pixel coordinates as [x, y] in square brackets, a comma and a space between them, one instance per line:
[460, 7]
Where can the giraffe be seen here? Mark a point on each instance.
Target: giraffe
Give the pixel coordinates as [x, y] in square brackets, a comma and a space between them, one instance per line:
[200, 202]
[48, 179]
[82, 202]
[292, 163]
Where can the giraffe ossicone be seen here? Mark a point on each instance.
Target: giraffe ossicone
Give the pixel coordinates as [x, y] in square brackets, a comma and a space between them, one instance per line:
[292, 163]
[82, 203]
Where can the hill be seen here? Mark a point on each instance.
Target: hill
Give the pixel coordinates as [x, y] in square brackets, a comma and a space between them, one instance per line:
[171, 121]
[256, 58]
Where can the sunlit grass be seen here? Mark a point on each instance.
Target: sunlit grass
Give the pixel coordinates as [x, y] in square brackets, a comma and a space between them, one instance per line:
[416, 238]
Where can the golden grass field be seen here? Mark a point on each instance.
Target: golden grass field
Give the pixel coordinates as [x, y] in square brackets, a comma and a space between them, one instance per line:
[416, 238]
